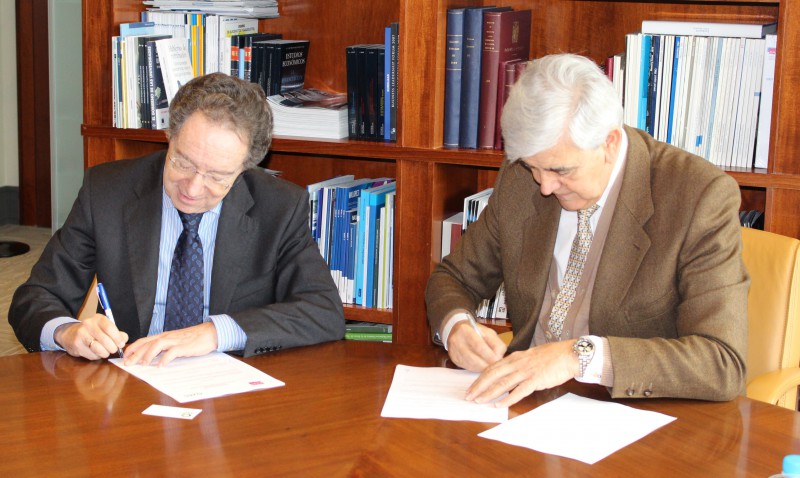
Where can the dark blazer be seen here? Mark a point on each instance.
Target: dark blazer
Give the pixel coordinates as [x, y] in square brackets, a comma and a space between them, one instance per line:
[268, 274]
[671, 272]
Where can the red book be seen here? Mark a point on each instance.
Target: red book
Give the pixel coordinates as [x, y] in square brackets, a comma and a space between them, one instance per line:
[506, 36]
[506, 76]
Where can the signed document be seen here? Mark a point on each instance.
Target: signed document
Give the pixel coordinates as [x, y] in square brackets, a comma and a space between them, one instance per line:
[188, 379]
[437, 392]
[578, 428]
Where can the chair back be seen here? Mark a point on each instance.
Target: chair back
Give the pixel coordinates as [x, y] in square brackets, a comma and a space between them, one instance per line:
[773, 310]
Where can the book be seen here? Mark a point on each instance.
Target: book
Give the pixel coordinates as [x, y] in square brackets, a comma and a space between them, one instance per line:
[351, 66]
[452, 76]
[309, 113]
[287, 65]
[451, 233]
[387, 83]
[708, 29]
[761, 159]
[372, 91]
[471, 75]
[506, 36]
[506, 77]
[176, 66]
[368, 336]
[367, 327]
[159, 106]
[394, 79]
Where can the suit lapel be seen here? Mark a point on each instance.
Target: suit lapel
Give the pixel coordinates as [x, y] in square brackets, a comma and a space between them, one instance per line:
[539, 239]
[142, 222]
[234, 245]
[627, 241]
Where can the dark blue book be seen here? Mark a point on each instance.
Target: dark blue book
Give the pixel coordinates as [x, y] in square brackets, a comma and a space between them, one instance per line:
[387, 81]
[393, 79]
[452, 76]
[652, 85]
[471, 75]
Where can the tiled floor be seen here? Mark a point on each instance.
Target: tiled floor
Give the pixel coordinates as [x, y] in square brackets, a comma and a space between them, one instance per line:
[13, 272]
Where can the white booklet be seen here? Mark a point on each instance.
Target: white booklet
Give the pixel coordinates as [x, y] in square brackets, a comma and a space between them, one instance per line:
[188, 379]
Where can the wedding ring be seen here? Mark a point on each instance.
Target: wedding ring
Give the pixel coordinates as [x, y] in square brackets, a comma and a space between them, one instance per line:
[91, 343]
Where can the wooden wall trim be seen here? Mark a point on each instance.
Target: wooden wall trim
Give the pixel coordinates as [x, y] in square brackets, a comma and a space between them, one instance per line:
[33, 94]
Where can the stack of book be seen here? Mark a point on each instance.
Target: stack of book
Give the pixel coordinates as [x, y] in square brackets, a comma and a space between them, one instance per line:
[242, 8]
[452, 229]
[309, 113]
[703, 87]
[487, 47]
[372, 88]
[367, 331]
[352, 221]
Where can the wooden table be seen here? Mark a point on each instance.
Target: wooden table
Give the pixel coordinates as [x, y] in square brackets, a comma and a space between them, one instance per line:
[68, 417]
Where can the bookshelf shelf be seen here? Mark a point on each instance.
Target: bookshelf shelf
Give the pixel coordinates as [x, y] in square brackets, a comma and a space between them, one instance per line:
[432, 181]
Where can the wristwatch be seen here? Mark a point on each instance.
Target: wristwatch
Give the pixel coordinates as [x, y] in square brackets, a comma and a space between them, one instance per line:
[584, 349]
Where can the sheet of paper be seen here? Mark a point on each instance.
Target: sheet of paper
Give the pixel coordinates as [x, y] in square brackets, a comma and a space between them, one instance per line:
[580, 428]
[436, 392]
[172, 412]
[196, 378]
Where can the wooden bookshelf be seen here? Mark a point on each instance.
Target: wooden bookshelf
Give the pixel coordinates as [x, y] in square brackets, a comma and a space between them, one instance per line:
[432, 181]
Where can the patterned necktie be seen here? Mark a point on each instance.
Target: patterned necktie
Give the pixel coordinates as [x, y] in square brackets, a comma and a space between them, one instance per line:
[185, 291]
[577, 259]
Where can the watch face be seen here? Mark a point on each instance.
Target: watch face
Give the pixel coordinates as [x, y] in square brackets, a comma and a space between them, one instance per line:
[584, 347]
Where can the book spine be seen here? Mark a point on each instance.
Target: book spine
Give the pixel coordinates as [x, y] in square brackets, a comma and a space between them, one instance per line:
[506, 36]
[394, 80]
[380, 106]
[470, 78]
[387, 81]
[373, 93]
[452, 76]
[235, 55]
[765, 104]
[371, 337]
[352, 91]
[490, 62]
[151, 86]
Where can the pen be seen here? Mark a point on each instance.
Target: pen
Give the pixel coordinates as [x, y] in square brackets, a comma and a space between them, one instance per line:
[103, 298]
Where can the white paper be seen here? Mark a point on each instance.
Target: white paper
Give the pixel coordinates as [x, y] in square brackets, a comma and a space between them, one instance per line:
[172, 412]
[436, 392]
[188, 379]
[580, 428]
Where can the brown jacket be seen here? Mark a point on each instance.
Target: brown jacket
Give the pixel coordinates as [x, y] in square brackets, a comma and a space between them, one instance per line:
[671, 288]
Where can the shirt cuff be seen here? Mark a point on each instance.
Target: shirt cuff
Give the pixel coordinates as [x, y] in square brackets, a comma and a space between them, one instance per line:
[230, 336]
[47, 341]
[450, 322]
[594, 370]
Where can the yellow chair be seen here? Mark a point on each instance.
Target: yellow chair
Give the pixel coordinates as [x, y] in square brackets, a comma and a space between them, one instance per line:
[773, 311]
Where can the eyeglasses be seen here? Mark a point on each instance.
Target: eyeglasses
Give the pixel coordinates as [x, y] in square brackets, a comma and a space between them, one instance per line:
[214, 181]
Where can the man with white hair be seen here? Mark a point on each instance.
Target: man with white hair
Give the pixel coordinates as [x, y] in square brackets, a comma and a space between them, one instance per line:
[621, 255]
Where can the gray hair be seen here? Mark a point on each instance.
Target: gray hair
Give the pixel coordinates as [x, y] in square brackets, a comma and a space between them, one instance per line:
[558, 95]
[230, 102]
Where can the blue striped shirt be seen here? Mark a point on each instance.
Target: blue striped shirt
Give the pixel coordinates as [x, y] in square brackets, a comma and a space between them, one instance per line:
[230, 335]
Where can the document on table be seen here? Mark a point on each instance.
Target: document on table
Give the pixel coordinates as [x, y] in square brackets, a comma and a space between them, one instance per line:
[436, 392]
[188, 379]
[580, 428]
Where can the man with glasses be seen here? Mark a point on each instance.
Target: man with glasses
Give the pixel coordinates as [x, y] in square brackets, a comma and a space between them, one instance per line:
[197, 249]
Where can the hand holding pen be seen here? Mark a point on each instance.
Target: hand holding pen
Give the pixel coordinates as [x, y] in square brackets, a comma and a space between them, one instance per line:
[103, 298]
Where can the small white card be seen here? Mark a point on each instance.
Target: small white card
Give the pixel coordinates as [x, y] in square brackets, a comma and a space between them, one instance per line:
[172, 412]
